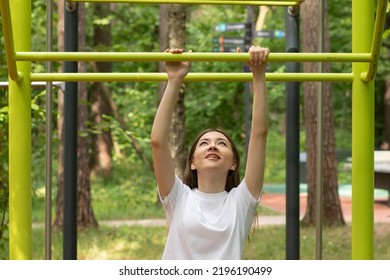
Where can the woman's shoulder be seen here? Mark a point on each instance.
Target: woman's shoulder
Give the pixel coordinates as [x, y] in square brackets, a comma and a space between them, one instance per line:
[242, 190]
[179, 186]
[240, 186]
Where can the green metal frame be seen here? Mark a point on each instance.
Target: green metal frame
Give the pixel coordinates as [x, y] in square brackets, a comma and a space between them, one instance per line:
[205, 2]
[204, 56]
[9, 41]
[191, 77]
[364, 58]
[362, 135]
[375, 42]
[20, 226]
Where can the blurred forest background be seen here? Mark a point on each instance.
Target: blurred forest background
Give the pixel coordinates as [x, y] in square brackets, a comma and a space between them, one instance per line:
[116, 164]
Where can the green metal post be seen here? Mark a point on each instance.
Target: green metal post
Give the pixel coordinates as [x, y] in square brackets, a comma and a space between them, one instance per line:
[20, 236]
[362, 135]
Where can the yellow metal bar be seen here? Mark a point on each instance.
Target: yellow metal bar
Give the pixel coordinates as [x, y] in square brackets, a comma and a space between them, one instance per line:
[204, 56]
[9, 41]
[191, 77]
[19, 129]
[362, 136]
[205, 2]
[376, 41]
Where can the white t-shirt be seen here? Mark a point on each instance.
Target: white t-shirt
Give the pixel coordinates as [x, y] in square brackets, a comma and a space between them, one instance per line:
[206, 226]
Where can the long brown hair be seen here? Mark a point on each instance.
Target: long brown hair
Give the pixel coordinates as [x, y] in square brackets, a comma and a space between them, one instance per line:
[191, 176]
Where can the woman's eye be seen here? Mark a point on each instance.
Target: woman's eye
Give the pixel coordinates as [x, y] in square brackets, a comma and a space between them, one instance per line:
[202, 143]
[222, 143]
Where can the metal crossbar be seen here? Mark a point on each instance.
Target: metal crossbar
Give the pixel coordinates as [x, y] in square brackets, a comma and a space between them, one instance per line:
[203, 56]
[191, 77]
[205, 2]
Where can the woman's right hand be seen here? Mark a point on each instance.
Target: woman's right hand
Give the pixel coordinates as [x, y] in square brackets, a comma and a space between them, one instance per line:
[258, 58]
[177, 69]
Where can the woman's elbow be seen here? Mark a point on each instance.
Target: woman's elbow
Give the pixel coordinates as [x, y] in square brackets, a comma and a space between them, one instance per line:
[261, 132]
[156, 140]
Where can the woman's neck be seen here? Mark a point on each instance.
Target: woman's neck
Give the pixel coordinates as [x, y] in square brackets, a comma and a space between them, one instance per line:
[211, 182]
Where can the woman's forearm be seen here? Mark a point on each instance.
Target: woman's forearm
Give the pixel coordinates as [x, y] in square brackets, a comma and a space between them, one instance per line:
[162, 121]
[260, 105]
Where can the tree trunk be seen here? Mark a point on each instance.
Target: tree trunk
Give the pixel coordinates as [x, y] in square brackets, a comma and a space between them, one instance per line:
[177, 15]
[85, 216]
[4, 194]
[332, 214]
[59, 217]
[112, 110]
[263, 11]
[102, 143]
[385, 145]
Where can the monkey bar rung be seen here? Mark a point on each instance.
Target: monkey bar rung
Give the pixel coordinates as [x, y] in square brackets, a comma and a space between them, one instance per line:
[204, 2]
[191, 77]
[204, 56]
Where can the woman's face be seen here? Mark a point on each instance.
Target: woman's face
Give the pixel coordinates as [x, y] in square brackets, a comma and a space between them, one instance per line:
[213, 151]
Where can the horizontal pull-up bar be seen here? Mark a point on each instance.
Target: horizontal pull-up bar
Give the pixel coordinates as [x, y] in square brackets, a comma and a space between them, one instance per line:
[191, 77]
[204, 2]
[204, 56]
[33, 84]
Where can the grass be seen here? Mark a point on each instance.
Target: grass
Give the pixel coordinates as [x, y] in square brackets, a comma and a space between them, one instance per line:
[147, 243]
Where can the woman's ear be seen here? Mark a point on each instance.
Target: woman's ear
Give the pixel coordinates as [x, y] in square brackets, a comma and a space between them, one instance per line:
[193, 167]
[233, 166]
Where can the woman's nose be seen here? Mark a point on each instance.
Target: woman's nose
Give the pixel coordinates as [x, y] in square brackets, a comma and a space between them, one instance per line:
[212, 146]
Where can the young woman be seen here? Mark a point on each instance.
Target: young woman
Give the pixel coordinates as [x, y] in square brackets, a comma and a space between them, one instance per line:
[210, 211]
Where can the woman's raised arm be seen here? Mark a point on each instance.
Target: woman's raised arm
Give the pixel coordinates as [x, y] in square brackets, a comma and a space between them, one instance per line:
[162, 159]
[254, 172]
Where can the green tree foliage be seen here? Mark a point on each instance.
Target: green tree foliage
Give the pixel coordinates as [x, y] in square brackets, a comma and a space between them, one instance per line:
[134, 29]
[222, 104]
[340, 31]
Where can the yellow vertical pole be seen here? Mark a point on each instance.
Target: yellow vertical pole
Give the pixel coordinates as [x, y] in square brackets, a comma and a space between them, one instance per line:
[362, 135]
[20, 236]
